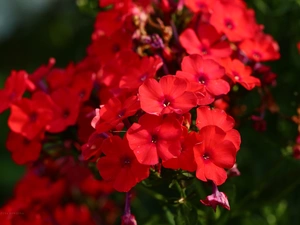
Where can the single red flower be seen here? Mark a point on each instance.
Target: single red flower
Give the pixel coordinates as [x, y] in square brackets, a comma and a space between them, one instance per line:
[120, 166]
[108, 22]
[65, 108]
[23, 150]
[143, 68]
[217, 117]
[30, 117]
[82, 84]
[233, 20]
[14, 88]
[239, 73]
[204, 72]
[206, 41]
[114, 111]
[260, 48]
[105, 48]
[59, 78]
[212, 154]
[167, 96]
[155, 137]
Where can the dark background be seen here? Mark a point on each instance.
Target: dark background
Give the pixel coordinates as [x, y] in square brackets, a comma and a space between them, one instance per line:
[268, 192]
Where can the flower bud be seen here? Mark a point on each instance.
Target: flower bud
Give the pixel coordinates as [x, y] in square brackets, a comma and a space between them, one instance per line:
[216, 198]
[128, 219]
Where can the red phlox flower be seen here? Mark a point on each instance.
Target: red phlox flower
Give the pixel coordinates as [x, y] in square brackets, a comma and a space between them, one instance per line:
[233, 20]
[155, 137]
[23, 150]
[144, 68]
[83, 84]
[213, 152]
[120, 166]
[217, 117]
[105, 48]
[186, 159]
[167, 96]
[59, 78]
[108, 22]
[204, 6]
[114, 111]
[30, 117]
[239, 73]
[109, 78]
[14, 88]
[206, 73]
[261, 48]
[206, 41]
[66, 215]
[215, 199]
[66, 109]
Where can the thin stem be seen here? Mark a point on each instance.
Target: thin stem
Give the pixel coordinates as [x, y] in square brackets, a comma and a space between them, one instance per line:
[127, 203]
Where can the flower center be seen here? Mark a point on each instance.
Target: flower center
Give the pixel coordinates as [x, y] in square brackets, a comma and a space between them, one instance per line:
[229, 24]
[66, 113]
[166, 103]
[256, 55]
[236, 76]
[205, 156]
[202, 78]
[154, 139]
[116, 48]
[33, 117]
[125, 161]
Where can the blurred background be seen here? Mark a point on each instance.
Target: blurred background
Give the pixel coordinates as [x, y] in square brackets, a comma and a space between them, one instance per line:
[268, 192]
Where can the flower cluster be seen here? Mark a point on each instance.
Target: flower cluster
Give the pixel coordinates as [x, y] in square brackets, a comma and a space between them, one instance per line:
[151, 92]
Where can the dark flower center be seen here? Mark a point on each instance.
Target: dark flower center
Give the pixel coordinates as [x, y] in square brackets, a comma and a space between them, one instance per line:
[66, 113]
[33, 117]
[229, 24]
[205, 156]
[166, 103]
[154, 139]
[202, 78]
[256, 55]
[125, 161]
[121, 113]
[116, 48]
[236, 76]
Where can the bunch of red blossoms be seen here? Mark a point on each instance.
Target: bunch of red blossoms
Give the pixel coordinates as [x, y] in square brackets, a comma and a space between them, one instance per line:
[150, 95]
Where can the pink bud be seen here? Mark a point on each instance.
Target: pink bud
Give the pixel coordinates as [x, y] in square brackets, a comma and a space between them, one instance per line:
[216, 198]
[128, 219]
